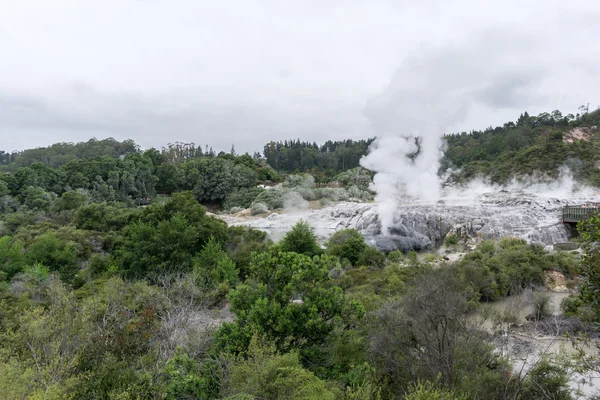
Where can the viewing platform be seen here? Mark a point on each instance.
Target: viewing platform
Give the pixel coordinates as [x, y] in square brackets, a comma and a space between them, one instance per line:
[573, 214]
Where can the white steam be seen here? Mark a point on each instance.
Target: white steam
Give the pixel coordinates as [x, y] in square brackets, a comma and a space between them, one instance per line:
[426, 96]
[564, 187]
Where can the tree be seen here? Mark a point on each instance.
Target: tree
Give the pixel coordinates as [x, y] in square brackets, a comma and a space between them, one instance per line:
[301, 239]
[427, 336]
[263, 373]
[289, 299]
[589, 230]
[166, 237]
[214, 269]
[348, 244]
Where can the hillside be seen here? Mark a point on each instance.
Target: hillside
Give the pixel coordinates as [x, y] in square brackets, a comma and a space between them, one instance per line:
[531, 146]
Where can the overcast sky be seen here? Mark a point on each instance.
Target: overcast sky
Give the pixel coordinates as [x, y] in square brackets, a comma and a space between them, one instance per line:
[246, 72]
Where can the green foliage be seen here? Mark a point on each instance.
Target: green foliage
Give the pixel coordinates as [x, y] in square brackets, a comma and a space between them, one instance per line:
[532, 145]
[589, 229]
[272, 198]
[371, 257]
[259, 208]
[266, 374]
[242, 243]
[511, 265]
[12, 259]
[183, 378]
[60, 153]
[426, 336]
[301, 239]
[165, 237]
[547, 380]
[451, 239]
[71, 200]
[303, 181]
[167, 246]
[430, 391]
[590, 288]
[243, 197]
[328, 159]
[348, 244]
[358, 177]
[215, 178]
[395, 256]
[290, 299]
[58, 255]
[214, 269]
[103, 217]
[36, 198]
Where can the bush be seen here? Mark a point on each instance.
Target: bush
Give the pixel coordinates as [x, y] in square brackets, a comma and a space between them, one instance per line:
[395, 256]
[347, 243]
[324, 202]
[243, 197]
[430, 391]
[272, 198]
[541, 306]
[305, 181]
[307, 194]
[301, 239]
[371, 257]
[570, 306]
[259, 208]
[451, 239]
[547, 380]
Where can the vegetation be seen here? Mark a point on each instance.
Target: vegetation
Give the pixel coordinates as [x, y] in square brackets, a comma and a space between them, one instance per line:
[530, 146]
[116, 283]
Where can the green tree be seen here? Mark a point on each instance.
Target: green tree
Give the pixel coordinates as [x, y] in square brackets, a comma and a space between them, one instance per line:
[589, 230]
[214, 269]
[263, 373]
[348, 244]
[290, 299]
[12, 259]
[301, 239]
[58, 255]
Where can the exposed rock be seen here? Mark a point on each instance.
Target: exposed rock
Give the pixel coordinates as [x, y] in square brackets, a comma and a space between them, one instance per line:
[555, 281]
[419, 226]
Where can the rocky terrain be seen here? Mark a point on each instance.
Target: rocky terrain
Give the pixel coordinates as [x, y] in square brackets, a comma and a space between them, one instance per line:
[417, 226]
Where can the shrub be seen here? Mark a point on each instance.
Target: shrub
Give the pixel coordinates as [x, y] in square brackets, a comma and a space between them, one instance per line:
[547, 380]
[395, 256]
[259, 208]
[371, 257]
[347, 243]
[541, 306]
[243, 197]
[451, 239]
[272, 198]
[429, 391]
[305, 181]
[301, 239]
[307, 194]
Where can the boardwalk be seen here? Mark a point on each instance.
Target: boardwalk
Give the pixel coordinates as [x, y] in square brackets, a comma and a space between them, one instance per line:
[574, 214]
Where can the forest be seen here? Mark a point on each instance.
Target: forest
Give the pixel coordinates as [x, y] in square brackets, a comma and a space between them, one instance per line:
[116, 282]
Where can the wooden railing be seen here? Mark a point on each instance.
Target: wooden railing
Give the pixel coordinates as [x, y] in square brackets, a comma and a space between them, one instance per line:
[574, 214]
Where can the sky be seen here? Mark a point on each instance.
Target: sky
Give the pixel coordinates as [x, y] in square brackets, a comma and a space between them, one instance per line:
[246, 72]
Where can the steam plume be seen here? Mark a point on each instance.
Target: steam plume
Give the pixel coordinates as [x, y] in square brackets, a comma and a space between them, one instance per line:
[427, 95]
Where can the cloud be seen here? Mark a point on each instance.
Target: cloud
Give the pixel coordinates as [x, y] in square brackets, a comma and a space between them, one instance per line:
[231, 71]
